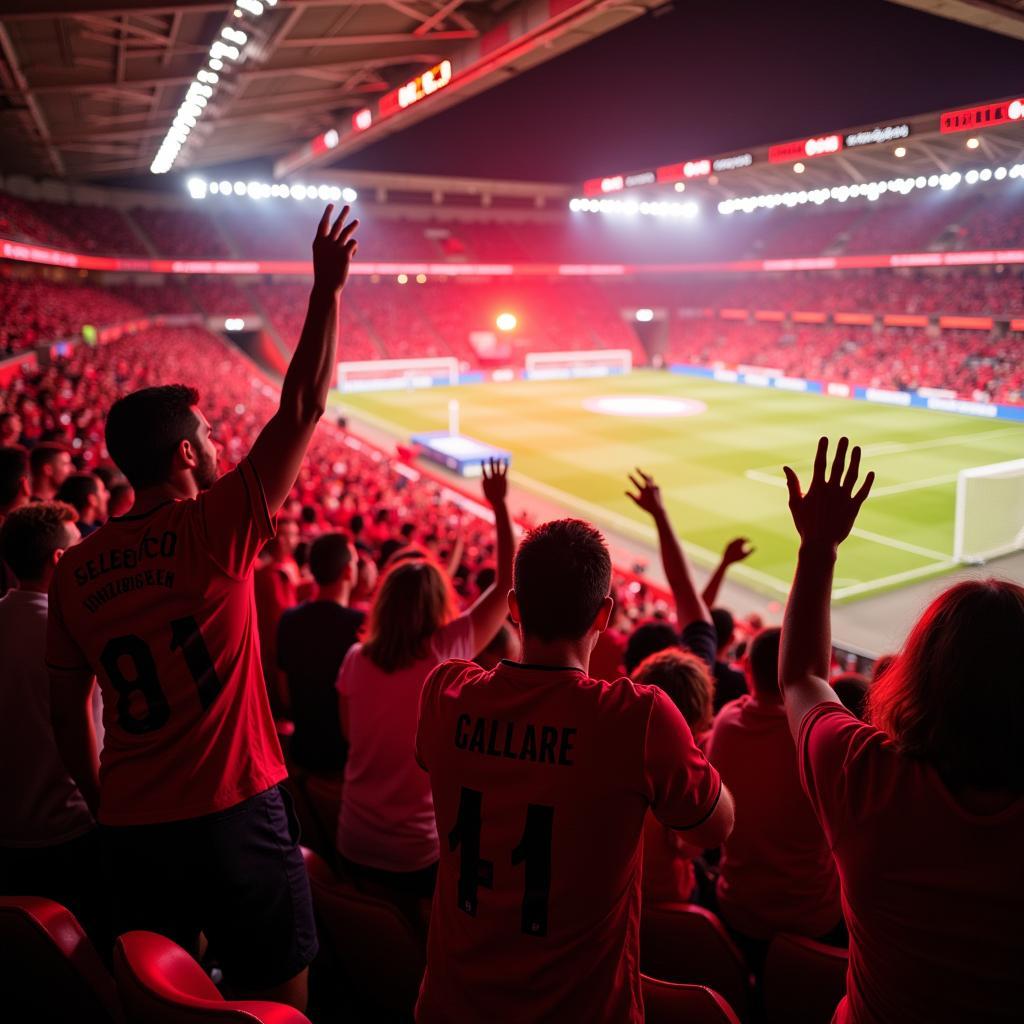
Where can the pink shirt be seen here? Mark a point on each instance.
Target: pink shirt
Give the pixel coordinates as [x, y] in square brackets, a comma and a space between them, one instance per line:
[933, 894]
[777, 873]
[387, 814]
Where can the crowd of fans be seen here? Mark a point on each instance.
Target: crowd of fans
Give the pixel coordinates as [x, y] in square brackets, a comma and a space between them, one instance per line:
[441, 677]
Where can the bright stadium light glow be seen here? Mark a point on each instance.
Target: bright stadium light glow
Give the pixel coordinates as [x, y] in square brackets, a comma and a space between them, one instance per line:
[199, 188]
[403, 278]
[799, 168]
[331, 138]
[630, 207]
[870, 190]
[972, 143]
[506, 321]
[900, 152]
[644, 316]
[234, 323]
[228, 46]
[421, 278]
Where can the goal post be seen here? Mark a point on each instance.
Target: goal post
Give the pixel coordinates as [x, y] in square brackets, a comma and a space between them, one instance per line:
[397, 374]
[561, 365]
[989, 511]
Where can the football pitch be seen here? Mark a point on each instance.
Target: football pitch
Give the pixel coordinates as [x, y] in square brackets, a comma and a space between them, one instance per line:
[716, 450]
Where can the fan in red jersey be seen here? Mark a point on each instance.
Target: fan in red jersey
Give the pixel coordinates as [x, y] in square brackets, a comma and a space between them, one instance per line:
[158, 605]
[541, 779]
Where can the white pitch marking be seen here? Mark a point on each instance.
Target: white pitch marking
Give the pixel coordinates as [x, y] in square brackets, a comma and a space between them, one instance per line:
[900, 447]
[899, 577]
[892, 542]
[599, 513]
[876, 492]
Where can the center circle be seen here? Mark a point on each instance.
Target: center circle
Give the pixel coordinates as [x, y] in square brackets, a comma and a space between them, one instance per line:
[644, 406]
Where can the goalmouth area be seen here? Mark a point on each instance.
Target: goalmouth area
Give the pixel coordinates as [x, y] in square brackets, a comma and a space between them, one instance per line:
[716, 449]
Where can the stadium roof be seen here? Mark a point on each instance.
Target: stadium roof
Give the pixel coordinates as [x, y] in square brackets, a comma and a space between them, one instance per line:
[89, 88]
[939, 142]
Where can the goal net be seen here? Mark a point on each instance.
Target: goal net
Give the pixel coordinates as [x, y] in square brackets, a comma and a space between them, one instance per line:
[397, 374]
[561, 365]
[989, 511]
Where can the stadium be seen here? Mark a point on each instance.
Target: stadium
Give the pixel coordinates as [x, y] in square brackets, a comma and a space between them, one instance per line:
[643, 347]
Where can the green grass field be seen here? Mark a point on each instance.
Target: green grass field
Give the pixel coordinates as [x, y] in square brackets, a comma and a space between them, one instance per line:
[720, 470]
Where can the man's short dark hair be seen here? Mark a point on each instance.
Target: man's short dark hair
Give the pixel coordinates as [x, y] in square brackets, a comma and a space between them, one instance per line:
[329, 557]
[78, 488]
[725, 625]
[763, 658]
[30, 535]
[145, 428]
[45, 454]
[648, 638]
[562, 574]
[13, 469]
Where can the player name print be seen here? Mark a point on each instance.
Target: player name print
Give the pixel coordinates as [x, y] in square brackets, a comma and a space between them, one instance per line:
[521, 741]
[151, 547]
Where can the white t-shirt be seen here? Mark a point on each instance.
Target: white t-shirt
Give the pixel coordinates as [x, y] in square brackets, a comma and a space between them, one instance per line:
[39, 804]
[387, 813]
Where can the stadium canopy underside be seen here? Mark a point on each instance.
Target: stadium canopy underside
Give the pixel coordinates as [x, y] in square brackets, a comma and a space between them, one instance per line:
[90, 87]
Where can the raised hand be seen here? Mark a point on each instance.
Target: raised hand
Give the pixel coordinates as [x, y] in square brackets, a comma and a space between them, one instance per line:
[736, 550]
[648, 496]
[333, 249]
[495, 481]
[826, 513]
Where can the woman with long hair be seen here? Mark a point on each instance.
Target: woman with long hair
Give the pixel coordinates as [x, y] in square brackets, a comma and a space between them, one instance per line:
[386, 829]
[923, 805]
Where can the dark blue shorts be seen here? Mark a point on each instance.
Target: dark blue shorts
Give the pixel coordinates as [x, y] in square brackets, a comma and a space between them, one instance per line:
[237, 876]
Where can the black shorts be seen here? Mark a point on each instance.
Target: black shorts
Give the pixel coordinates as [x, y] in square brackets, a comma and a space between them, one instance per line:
[237, 876]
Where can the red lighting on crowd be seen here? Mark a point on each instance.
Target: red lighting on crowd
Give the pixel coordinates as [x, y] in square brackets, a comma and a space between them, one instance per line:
[986, 116]
[819, 145]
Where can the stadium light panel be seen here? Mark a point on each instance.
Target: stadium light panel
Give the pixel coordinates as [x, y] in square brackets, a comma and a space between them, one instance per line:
[506, 321]
[644, 316]
[973, 143]
[234, 323]
[254, 7]
[403, 278]
[799, 168]
[421, 278]
[899, 152]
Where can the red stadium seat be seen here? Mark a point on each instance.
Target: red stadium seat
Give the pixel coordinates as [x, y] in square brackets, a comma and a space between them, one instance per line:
[49, 969]
[374, 943]
[665, 1002]
[685, 943]
[161, 984]
[803, 980]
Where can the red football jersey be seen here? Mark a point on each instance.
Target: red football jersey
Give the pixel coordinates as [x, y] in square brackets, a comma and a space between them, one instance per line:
[160, 606]
[541, 779]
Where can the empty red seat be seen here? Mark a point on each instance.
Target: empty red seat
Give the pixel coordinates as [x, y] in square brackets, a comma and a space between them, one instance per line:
[49, 970]
[378, 949]
[161, 984]
[666, 1002]
[803, 980]
[684, 943]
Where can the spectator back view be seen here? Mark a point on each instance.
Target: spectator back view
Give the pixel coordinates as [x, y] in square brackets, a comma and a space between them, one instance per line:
[541, 778]
[312, 641]
[924, 807]
[158, 605]
[776, 872]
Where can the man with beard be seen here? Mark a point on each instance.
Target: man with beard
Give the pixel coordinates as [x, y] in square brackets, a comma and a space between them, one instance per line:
[158, 604]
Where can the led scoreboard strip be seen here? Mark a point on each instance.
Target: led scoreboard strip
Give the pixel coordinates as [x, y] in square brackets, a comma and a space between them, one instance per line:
[416, 89]
[986, 116]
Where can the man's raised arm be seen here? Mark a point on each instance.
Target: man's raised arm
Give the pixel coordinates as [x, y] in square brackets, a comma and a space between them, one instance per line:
[281, 446]
[690, 606]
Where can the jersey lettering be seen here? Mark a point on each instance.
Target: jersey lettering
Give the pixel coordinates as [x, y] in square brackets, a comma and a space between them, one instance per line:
[513, 740]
